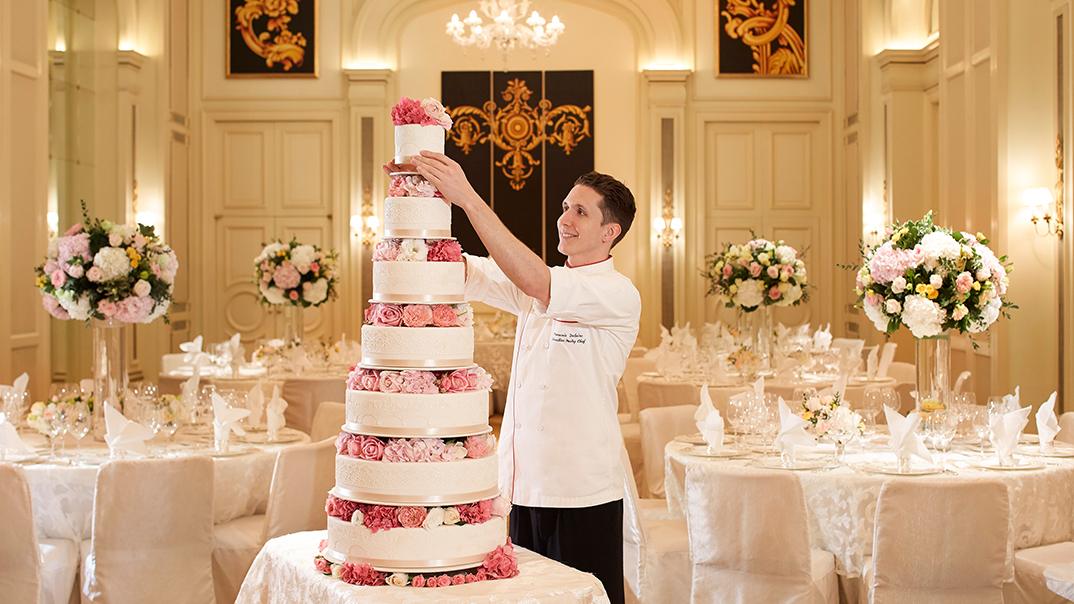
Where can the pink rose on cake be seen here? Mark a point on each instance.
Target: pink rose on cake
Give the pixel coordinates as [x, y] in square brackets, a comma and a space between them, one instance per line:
[388, 315]
[342, 441]
[476, 446]
[417, 315]
[444, 316]
[456, 381]
[475, 513]
[363, 379]
[427, 112]
[501, 506]
[478, 379]
[411, 516]
[323, 565]
[411, 186]
[390, 381]
[372, 448]
[386, 251]
[445, 250]
[436, 112]
[417, 581]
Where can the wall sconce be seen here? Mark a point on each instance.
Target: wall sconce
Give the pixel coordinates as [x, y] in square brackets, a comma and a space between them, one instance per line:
[668, 225]
[1038, 201]
[147, 218]
[53, 220]
[365, 226]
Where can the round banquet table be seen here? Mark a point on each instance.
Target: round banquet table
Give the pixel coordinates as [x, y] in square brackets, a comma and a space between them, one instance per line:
[62, 494]
[658, 391]
[283, 573]
[841, 501]
[303, 393]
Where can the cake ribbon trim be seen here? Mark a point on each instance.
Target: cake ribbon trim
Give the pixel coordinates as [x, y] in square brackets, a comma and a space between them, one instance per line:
[404, 432]
[378, 498]
[380, 362]
[439, 564]
[418, 233]
[419, 298]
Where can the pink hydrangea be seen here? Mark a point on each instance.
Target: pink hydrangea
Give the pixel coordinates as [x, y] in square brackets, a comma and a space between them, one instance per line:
[399, 450]
[74, 246]
[475, 513]
[372, 448]
[478, 379]
[445, 316]
[133, 309]
[445, 250]
[388, 315]
[456, 381]
[323, 565]
[340, 508]
[286, 277]
[379, 517]
[386, 251]
[501, 563]
[408, 111]
[390, 381]
[888, 262]
[411, 516]
[396, 188]
[52, 305]
[417, 315]
[476, 446]
[361, 574]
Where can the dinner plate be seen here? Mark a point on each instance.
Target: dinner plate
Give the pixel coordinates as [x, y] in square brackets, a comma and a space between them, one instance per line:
[690, 439]
[703, 451]
[287, 435]
[1019, 464]
[233, 451]
[21, 457]
[800, 464]
[879, 467]
[1057, 450]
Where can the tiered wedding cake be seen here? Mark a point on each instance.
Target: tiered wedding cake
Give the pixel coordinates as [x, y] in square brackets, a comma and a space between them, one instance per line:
[416, 500]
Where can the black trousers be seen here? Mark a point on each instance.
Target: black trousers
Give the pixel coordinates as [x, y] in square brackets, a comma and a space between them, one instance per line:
[589, 539]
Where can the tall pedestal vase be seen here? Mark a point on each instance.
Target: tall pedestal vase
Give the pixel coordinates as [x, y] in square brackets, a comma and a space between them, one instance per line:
[932, 358]
[294, 327]
[757, 327]
[109, 368]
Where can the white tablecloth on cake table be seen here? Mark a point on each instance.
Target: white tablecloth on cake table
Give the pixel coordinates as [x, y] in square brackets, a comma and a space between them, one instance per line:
[841, 502]
[283, 573]
[303, 393]
[494, 356]
[63, 494]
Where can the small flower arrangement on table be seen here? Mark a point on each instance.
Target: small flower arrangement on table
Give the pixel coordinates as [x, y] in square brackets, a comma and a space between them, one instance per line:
[43, 413]
[828, 413]
[932, 279]
[102, 270]
[296, 274]
[759, 273]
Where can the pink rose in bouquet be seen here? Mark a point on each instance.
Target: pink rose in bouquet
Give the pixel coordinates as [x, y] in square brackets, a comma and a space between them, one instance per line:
[52, 305]
[417, 315]
[386, 251]
[445, 250]
[390, 381]
[388, 315]
[476, 446]
[323, 565]
[380, 517]
[755, 269]
[372, 448]
[76, 271]
[408, 111]
[133, 309]
[456, 381]
[107, 308]
[417, 581]
[444, 316]
[411, 516]
[501, 563]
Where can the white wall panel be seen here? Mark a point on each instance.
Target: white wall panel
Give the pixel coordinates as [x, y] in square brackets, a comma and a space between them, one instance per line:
[246, 149]
[731, 173]
[791, 171]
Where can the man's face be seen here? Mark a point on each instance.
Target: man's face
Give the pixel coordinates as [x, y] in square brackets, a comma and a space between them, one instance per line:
[581, 234]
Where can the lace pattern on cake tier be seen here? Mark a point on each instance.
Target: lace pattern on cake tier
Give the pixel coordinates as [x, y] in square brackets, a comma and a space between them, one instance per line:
[425, 344]
[444, 483]
[412, 139]
[416, 282]
[420, 217]
[416, 549]
[443, 413]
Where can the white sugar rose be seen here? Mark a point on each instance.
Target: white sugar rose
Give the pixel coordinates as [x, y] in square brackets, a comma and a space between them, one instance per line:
[458, 451]
[397, 579]
[433, 519]
[337, 570]
[413, 250]
[357, 517]
[923, 316]
[302, 257]
[451, 515]
[751, 293]
[113, 263]
[142, 288]
[317, 292]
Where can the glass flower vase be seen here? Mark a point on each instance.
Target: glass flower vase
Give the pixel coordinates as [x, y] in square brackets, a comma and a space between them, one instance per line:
[294, 327]
[932, 360]
[756, 325]
[109, 369]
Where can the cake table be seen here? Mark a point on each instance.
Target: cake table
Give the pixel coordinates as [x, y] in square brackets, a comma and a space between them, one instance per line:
[283, 573]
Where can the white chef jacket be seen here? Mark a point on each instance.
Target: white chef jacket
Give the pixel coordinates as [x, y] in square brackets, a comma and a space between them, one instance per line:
[560, 439]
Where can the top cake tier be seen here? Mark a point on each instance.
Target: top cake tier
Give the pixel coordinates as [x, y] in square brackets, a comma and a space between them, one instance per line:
[412, 139]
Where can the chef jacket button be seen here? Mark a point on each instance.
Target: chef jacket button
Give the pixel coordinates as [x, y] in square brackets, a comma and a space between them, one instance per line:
[544, 386]
[519, 385]
[530, 347]
[546, 345]
[518, 424]
[540, 428]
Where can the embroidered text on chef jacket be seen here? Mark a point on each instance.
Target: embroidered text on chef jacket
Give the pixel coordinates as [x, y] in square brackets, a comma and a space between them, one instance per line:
[560, 440]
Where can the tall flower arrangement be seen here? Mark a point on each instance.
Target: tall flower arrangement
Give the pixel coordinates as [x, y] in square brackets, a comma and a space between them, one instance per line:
[932, 279]
[102, 270]
[759, 273]
[295, 273]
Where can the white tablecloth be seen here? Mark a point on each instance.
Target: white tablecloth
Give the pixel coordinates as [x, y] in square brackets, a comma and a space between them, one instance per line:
[842, 502]
[63, 494]
[283, 573]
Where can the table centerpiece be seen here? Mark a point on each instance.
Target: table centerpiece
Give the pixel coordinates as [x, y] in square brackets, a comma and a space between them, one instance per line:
[298, 275]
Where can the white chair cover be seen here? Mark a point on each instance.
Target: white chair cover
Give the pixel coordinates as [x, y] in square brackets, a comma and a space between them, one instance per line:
[1066, 427]
[171, 362]
[1042, 575]
[300, 483]
[152, 532]
[328, 421]
[939, 541]
[749, 539]
[656, 552]
[658, 426]
[635, 366]
[632, 441]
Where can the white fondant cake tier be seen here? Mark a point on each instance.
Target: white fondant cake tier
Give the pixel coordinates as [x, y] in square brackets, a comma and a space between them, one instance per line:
[424, 483]
[412, 139]
[415, 550]
[398, 415]
[417, 347]
[428, 217]
[419, 282]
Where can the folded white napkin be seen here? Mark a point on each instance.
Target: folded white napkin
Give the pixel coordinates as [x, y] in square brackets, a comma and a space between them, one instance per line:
[1012, 402]
[822, 339]
[785, 366]
[255, 402]
[9, 438]
[18, 386]
[712, 430]
[123, 434]
[238, 353]
[886, 358]
[962, 377]
[792, 431]
[275, 408]
[226, 420]
[668, 362]
[839, 387]
[1005, 430]
[299, 361]
[189, 391]
[904, 438]
[192, 350]
[704, 408]
[1047, 426]
[872, 363]
[758, 387]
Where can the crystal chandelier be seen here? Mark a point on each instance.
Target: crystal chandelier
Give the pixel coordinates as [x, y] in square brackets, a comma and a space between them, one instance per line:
[506, 29]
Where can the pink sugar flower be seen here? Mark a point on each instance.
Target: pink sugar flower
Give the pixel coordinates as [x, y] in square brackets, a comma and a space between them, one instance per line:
[388, 315]
[379, 517]
[417, 581]
[398, 450]
[419, 382]
[369, 380]
[372, 448]
[458, 580]
[456, 381]
[445, 316]
[386, 251]
[417, 315]
[323, 565]
[341, 442]
[471, 577]
[476, 446]
[501, 507]
[407, 111]
[443, 581]
[411, 516]
[501, 563]
[444, 250]
[390, 381]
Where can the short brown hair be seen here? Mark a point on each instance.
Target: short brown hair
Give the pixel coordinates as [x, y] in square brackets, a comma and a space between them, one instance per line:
[617, 202]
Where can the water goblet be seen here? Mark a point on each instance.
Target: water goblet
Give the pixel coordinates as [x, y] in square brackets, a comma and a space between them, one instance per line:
[890, 397]
[979, 421]
[56, 429]
[79, 422]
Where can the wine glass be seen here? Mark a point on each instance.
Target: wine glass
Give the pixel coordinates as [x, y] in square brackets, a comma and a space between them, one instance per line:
[166, 420]
[78, 422]
[56, 429]
[979, 420]
[890, 397]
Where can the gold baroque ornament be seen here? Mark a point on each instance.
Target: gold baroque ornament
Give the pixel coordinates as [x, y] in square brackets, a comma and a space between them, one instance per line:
[518, 128]
[758, 27]
[287, 48]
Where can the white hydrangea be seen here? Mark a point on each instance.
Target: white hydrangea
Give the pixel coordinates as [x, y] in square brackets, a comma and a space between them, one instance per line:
[302, 257]
[79, 308]
[786, 254]
[158, 310]
[877, 316]
[113, 263]
[989, 314]
[316, 292]
[750, 293]
[274, 295]
[923, 316]
[939, 245]
[270, 251]
[790, 295]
